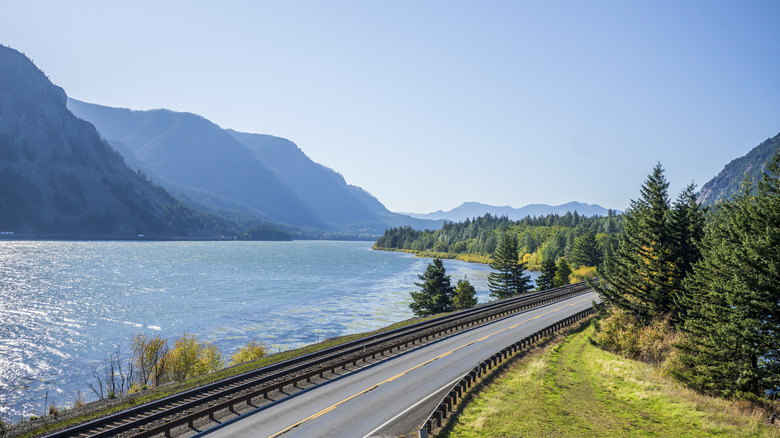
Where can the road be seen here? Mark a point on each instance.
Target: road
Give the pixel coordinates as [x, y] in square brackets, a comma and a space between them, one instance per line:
[389, 398]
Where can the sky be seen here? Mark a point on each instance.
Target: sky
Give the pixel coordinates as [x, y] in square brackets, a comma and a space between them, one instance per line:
[429, 104]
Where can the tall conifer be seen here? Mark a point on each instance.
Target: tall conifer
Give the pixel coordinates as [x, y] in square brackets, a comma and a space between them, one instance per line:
[733, 347]
[586, 251]
[545, 279]
[637, 276]
[686, 231]
[509, 279]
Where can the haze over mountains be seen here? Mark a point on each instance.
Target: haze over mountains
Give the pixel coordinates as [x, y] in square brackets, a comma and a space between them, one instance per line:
[261, 175]
[59, 176]
[469, 210]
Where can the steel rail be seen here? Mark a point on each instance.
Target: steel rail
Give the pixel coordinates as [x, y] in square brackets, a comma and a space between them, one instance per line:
[260, 382]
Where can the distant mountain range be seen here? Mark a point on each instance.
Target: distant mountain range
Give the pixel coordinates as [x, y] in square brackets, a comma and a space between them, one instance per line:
[469, 210]
[58, 176]
[728, 182]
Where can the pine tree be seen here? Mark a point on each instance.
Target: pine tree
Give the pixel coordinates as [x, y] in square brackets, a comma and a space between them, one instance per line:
[637, 276]
[686, 231]
[465, 296]
[547, 277]
[509, 280]
[733, 347]
[562, 273]
[586, 251]
[436, 292]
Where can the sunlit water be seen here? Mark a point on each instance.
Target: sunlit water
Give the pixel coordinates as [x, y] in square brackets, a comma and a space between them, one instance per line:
[64, 306]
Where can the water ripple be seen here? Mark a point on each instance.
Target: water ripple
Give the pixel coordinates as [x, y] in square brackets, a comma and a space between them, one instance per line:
[64, 306]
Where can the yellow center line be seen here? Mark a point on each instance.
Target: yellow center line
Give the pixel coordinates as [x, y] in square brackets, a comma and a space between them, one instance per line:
[401, 374]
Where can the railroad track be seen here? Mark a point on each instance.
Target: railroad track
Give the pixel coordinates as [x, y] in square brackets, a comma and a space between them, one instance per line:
[182, 410]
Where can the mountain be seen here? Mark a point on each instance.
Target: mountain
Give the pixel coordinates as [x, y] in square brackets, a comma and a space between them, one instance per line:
[270, 177]
[469, 210]
[58, 176]
[187, 153]
[729, 180]
[321, 188]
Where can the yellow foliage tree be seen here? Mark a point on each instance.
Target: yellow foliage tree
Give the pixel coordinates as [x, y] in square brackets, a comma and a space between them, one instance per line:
[190, 358]
[247, 353]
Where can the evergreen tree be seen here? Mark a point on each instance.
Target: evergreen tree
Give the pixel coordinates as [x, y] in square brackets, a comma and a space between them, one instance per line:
[637, 276]
[509, 280]
[686, 231]
[686, 228]
[733, 322]
[586, 251]
[562, 273]
[436, 292]
[465, 296]
[547, 277]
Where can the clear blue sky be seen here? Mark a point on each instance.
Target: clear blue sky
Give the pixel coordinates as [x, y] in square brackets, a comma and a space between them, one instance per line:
[427, 104]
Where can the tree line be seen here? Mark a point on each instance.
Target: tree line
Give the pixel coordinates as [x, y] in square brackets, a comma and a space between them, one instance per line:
[508, 278]
[583, 241]
[698, 291]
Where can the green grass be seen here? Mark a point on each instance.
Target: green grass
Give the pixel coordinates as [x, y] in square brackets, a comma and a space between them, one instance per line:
[574, 389]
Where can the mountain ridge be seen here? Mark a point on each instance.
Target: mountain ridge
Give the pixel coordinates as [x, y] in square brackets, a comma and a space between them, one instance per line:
[161, 144]
[728, 181]
[59, 176]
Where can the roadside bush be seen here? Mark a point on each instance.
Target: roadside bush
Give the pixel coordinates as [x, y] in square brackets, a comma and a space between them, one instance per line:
[618, 333]
[656, 341]
[623, 333]
[248, 353]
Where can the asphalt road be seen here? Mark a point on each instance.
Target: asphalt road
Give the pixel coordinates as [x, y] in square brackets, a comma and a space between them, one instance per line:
[390, 398]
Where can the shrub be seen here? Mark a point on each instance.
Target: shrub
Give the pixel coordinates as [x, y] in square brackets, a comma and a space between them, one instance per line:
[247, 353]
[583, 273]
[623, 333]
[656, 341]
[190, 358]
[618, 333]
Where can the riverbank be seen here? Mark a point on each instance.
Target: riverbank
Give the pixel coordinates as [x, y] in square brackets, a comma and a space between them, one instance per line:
[572, 388]
[68, 416]
[468, 258]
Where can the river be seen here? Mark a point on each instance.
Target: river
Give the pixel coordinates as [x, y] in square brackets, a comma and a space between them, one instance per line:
[64, 306]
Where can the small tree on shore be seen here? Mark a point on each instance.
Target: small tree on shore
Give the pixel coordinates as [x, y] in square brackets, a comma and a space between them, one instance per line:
[465, 296]
[547, 277]
[436, 291]
[509, 279]
[562, 273]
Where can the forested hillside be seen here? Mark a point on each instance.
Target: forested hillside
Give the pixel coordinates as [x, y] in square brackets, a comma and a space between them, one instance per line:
[544, 238]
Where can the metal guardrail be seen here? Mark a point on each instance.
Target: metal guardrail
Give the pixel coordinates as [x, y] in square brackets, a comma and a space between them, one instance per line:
[441, 414]
[225, 394]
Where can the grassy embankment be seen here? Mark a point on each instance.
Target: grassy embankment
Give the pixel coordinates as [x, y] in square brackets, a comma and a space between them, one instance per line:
[572, 388]
[90, 412]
